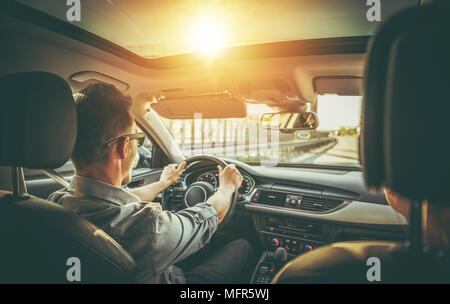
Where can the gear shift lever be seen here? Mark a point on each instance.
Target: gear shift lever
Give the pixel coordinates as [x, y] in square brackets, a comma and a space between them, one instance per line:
[280, 257]
[271, 264]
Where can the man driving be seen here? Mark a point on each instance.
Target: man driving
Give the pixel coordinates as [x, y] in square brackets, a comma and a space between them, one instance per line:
[106, 146]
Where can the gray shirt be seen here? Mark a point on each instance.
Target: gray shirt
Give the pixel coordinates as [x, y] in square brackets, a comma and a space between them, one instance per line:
[156, 239]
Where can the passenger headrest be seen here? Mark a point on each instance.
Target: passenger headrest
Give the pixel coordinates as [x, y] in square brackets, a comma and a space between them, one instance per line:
[38, 120]
[406, 112]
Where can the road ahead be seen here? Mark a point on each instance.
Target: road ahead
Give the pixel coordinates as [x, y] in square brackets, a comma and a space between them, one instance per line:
[341, 151]
[344, 151]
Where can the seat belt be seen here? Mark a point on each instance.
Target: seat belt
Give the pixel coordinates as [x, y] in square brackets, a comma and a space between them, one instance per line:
[56, 177]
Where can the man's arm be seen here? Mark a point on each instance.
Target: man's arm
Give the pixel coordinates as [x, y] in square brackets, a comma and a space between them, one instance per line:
[149, 192]
[230, 179]
[169, 176]
[178, 235]
[186, 231]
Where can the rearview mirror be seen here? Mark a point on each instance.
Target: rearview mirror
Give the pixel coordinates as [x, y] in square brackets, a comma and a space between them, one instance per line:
[290, 121]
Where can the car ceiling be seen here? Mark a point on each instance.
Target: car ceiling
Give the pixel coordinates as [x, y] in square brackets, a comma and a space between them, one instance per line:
[160, 28]
[64, 56]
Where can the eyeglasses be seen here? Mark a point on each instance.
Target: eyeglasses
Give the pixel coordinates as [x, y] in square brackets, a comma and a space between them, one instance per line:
[140, 137]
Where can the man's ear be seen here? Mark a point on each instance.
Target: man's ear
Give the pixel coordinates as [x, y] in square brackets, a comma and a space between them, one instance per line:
[123, 147]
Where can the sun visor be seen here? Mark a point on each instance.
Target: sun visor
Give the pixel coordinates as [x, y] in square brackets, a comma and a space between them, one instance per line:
[82, 79]
[278, 90]
[206, 106]
[340, 85]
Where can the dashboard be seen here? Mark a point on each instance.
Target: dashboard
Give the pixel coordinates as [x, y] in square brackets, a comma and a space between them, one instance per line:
[301, 209]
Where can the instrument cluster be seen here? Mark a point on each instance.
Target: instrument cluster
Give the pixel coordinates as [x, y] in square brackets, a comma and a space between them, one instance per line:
[212, 177]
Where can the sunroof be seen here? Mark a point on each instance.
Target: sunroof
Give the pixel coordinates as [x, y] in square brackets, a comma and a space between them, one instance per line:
[164, 28]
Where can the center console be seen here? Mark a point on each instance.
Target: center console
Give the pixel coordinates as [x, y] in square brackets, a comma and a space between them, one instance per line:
[298, 236]
[295, 236]
[292, 236]
[299, 220]
[269, 264]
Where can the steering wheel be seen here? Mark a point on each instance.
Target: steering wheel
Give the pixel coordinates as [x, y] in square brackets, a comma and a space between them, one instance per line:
[199, 192]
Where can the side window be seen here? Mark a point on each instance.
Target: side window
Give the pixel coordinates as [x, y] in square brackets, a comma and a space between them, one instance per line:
[144, 155]
[66, 169]
[143, 160]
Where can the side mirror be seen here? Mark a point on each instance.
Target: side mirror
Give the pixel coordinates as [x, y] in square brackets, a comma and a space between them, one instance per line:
[290, 121]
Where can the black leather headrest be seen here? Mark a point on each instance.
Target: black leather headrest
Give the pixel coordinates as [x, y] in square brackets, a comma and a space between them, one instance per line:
[38, 120]
[406, 112]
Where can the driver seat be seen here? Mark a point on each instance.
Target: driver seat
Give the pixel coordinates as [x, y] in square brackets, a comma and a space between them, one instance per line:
[404, 147]
[39, 239]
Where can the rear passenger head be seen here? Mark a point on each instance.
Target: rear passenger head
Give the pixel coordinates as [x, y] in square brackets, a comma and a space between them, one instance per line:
[103, 113]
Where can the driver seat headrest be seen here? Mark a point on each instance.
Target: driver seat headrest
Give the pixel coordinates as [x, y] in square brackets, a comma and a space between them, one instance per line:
[406, 109]
[38, 120]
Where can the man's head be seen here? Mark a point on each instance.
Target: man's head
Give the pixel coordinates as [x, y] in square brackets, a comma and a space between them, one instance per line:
[397, 202]
[437, 218]
[102, 149]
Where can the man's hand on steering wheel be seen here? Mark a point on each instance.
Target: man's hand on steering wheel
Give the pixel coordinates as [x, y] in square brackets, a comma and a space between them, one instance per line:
[172, 173]
[223, 199]
[230, 179]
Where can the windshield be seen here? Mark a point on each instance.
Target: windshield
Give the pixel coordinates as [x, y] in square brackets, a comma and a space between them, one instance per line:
[334, 142]
[161, 28]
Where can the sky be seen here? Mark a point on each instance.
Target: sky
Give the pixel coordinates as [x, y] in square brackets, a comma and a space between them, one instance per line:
[338, 111]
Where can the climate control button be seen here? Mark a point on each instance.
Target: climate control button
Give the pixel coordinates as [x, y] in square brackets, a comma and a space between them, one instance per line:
[308, 247]
[276, 241]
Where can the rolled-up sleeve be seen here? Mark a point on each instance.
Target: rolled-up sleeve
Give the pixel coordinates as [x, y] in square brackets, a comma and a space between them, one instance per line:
[171, 237]
[183, 233]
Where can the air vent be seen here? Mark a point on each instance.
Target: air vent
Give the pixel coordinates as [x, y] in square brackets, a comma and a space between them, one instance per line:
[310, 203]
[272, 198]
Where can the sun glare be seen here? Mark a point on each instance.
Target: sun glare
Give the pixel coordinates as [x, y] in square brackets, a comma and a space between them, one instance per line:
[209, 34]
